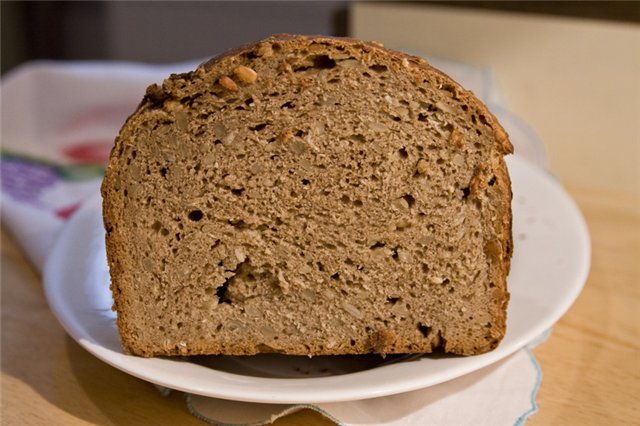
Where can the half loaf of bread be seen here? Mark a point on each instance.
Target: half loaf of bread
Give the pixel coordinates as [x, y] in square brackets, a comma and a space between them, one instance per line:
[311, 196]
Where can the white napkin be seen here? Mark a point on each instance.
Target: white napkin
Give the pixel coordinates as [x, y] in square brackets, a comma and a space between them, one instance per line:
[59, 120]
[501, 394]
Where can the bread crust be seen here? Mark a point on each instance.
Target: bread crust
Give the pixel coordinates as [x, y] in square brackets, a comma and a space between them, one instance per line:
[381, 340]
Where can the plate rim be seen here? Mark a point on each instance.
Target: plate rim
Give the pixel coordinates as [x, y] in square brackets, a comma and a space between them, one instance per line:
[310, 386]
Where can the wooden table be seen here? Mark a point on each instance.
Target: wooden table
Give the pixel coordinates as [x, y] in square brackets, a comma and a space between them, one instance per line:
[590, 363]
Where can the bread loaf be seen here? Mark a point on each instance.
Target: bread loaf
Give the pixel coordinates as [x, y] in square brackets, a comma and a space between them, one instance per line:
[310, 196]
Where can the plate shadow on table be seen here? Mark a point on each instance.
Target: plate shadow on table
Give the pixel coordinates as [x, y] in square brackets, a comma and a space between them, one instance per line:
[121, 398]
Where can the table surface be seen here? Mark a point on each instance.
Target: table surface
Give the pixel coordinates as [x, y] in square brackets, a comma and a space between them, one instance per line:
[590, 362]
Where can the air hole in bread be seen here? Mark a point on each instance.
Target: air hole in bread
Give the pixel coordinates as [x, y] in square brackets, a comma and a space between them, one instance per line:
[252, 54]
[378, 68]
[221, 292]
[323, 62]
[425, 330]
[378, 244]
[429, 106]
[465, 192]
[411, 201]
[394, 254]
[195, 215]
[403, 152]
[258, 127]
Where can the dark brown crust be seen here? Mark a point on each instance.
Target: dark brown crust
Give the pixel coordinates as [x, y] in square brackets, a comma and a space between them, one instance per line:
[418, 62]
[381, 343]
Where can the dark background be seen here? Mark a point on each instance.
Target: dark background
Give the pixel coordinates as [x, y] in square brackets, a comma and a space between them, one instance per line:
[172, 31]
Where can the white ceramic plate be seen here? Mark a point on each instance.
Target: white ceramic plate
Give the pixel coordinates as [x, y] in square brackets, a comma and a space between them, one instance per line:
[549, 267]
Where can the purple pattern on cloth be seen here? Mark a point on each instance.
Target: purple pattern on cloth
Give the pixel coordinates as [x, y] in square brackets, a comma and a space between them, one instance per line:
[24, 180]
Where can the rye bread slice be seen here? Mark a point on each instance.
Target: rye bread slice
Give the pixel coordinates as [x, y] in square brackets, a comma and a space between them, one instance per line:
[311, 196]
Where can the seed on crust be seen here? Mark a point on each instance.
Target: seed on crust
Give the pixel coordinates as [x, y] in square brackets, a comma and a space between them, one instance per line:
[245, 74]
[456, 139]
[228, 84]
